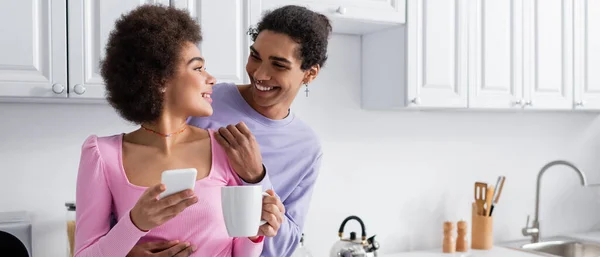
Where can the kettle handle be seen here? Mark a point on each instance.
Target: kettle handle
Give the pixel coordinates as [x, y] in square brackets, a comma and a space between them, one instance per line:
[362, 226]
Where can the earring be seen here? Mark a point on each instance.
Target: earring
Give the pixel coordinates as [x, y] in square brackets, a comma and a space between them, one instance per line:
[164, 89]
[306, 89]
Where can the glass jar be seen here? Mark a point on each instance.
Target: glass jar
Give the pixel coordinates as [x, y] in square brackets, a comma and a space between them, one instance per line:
[70, 219]
[301, 250]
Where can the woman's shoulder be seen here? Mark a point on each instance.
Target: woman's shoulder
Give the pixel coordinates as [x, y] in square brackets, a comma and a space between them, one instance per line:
[101, 145]
[95, 140]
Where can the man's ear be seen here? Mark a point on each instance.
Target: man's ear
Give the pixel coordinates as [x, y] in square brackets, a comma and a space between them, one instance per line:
[311, 74]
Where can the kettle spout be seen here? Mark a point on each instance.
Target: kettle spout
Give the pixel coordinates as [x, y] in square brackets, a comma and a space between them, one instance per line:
[372, 245]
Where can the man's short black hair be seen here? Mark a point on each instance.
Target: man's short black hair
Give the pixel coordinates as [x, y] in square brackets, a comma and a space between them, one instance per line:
[308, 28]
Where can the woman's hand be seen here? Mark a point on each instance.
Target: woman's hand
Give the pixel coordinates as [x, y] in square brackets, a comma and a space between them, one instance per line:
[272, 211]
[150, 212]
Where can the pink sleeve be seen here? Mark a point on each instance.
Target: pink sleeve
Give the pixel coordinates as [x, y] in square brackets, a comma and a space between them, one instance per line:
[243, 246]
[93, 235]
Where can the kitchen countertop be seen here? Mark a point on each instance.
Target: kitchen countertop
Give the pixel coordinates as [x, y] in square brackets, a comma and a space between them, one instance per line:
[499, 250]
[496, 251]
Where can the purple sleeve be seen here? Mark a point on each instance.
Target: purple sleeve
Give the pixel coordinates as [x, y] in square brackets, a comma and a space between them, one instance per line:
[265, 182]
[296, 207]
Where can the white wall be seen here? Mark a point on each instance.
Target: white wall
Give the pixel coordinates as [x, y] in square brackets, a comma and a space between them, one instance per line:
[403, 173]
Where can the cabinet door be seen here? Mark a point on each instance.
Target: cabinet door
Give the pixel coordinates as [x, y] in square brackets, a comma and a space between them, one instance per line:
[90, 22]
[368, 10]
[225, 44]
[495, 66]
[548, 52]
[437, 53]
[587, 56]
[33, 55]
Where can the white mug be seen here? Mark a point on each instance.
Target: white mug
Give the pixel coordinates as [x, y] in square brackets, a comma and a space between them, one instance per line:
[242, 209]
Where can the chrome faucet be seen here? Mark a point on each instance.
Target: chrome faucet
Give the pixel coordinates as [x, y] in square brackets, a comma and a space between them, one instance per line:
[534, 230]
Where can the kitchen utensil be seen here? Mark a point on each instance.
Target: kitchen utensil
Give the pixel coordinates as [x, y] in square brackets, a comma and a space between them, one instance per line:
[480, 192]
[499, 186]
[482, 232]
[71, 208]
[489, 196]
[352, 246]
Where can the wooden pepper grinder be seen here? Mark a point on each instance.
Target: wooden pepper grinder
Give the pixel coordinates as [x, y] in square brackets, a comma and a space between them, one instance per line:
[449, 245]
[461, 239]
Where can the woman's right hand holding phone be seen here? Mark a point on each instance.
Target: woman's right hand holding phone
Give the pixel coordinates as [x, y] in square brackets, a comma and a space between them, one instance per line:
[150, 212]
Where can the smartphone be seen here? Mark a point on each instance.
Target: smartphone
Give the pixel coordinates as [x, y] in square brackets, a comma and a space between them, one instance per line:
[178, 180]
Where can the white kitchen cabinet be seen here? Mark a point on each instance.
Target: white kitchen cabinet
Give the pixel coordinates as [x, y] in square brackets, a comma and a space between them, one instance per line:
[521, 54]
[587, 57]
[225, 44]
[33, 54]
[530, 54]
[548, 54]
[430, 71]
[352, 16]
[437, 49]
[495, 54]
[90, 22]
[34, 60]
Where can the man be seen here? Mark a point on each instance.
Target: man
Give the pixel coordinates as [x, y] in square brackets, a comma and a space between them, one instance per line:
[290, 48]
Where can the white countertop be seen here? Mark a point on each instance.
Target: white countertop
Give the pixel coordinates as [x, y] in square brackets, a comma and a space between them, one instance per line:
[496, 251]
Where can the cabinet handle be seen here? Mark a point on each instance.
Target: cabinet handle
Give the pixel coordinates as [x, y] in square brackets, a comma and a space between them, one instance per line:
[518, 102]
[416, 101]
[58, 88]
[529, 103]
[79, 89]
[341, 10]
[580, 103]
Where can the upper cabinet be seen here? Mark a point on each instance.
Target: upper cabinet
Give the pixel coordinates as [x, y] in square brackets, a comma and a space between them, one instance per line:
[424, 63]
[89, 23]
[440, 54]
[224, 28]
[437, 53]
[33, 49]
[586, 59]
[548, 54]
[493, 54]
[352, 16]
[496, 59]
[36, 54]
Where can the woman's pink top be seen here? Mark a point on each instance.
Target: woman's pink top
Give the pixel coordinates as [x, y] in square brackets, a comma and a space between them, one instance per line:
[103, 188]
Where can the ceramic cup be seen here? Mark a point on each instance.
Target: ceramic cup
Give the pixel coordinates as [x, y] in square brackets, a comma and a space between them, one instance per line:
[242, 209]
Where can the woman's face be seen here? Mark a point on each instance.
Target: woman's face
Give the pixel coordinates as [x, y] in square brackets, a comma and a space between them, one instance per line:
[274, 69]
[189, 90]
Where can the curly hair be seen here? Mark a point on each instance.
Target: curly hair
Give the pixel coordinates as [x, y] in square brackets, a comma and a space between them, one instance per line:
[141, 55]
[308, 28]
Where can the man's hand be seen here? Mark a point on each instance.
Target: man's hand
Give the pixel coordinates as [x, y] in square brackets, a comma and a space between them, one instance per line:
[242, 151]
[273, 212]
[162, 249]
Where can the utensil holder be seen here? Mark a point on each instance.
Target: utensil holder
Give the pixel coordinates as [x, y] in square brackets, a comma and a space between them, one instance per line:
[482, 231]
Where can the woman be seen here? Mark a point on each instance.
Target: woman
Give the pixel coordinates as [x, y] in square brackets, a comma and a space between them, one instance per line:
[155, 77]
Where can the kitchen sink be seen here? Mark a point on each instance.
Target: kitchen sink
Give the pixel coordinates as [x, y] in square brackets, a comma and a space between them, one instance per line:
[561, 247]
